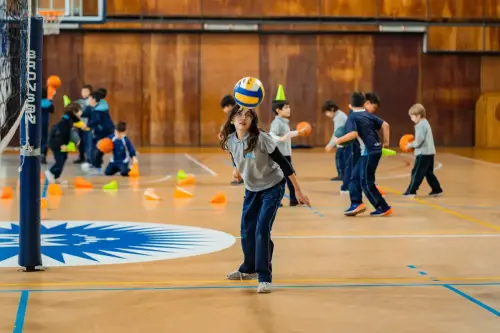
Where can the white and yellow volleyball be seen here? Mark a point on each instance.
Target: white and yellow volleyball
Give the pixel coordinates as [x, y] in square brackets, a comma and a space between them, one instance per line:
[249, 92]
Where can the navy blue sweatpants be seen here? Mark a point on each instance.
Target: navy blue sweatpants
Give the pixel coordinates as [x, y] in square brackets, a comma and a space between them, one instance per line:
[364, 178]
[259, 211]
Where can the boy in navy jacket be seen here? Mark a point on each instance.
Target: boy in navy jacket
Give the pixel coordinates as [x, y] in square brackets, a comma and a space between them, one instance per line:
[47, 110]
[60, 135]
[100, 123]
[123, 152]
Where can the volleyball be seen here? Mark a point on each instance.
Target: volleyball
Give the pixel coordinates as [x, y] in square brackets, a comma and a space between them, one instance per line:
[249, 92]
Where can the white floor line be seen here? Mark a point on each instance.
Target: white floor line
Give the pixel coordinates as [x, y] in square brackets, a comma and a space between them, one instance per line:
[203, 166]
[496, 165]
[386, 236]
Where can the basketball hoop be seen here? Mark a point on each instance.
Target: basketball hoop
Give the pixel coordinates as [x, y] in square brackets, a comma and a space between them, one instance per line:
[51, 21]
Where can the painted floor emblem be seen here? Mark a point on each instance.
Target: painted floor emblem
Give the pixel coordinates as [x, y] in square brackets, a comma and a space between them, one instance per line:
[82, 243]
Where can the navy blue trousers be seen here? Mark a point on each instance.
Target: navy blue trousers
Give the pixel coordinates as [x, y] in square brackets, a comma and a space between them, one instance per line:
[114, 167]
[364, 178]
[259, 212]
[58, 166]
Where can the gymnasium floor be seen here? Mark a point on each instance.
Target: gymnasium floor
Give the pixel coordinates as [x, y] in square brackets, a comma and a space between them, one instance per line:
[431, 267]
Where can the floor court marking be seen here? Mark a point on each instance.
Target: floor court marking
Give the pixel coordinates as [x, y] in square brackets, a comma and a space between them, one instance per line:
[201, 165]
[493, 280]
[236, 287]
[447, 210]
[21, 312]
[458, 292]
[496, 165]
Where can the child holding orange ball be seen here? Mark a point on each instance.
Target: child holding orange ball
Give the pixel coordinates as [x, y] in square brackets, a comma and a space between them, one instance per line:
[123, 152]
[424, 154]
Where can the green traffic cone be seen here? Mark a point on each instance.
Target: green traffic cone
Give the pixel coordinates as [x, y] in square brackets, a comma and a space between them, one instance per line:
[113, 185]
[66, 100]
[388, 152]
[70, 147]
[280, 95]
[181, 174]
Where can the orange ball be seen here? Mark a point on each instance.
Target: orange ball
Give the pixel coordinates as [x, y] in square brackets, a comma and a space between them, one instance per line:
[105, 145]
[405, 140]
[304, 125]
[54, 81]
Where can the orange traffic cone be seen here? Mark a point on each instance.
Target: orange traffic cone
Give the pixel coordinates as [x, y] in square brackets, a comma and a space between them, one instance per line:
[189, 180]
[54, 189]
[134, 171]
[43, 203]
[219, 198]
[150, 194]
[7, 193]
[181, 193]
[81, 182]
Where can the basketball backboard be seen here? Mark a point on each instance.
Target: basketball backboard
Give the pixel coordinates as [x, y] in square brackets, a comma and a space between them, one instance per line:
[76, 11]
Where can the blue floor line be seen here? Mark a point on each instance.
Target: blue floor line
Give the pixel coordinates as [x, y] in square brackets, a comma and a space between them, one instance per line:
[473, 300]
[21, 312]
[276, 286]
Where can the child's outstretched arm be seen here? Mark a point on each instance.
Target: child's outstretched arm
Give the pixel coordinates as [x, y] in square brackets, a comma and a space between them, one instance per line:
[288, 171]
[131, 149]
[385, 134]
[346, 138]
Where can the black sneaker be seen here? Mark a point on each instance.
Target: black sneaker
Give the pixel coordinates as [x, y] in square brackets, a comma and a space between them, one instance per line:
[236, 182]
[409, 195]
[436, 194]
[294, 203]
[336, 179]
[79, 161]
[43, 160]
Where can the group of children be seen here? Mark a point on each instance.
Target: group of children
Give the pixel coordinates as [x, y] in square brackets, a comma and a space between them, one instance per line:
[91, 113]
[263, 163]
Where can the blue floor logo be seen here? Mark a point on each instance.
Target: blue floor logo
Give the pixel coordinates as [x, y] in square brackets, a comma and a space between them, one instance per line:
[81, 243]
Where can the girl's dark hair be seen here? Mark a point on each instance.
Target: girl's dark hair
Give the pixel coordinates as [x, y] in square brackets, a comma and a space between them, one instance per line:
[87, 86]
[253, 130]
[73, 108]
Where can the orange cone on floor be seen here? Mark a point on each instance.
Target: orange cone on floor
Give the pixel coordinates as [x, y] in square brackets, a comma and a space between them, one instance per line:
[81, 182]
[134, 171]
[7, 193]
[219, 198]
[189, 180]
[54, 189]
[43, 203]
[381, 191]
[150, 194]
[181, 193]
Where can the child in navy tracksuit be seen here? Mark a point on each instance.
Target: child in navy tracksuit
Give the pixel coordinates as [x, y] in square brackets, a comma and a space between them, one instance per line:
[362, 126]
[47, 110]
[60, 135]
[100, 123]
[123, 152]
[85, 136]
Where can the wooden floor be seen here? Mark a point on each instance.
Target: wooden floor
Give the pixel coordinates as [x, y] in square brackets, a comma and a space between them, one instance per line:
[119, 263]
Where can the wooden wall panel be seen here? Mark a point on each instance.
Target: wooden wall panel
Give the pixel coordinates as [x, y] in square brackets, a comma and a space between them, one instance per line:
[349, 8]
[490, 74]
[172, 8]
[113, 61]
[492, 39]
[291, 8]
[491, 9]
[402, 9]
[344, 63]
[450, 88]
[170, 92]
[290, 60]
[124, 7]
[396, 80]
[224, 59]
[68, 68]
[444, 38]
[457, 9]
[231, 8]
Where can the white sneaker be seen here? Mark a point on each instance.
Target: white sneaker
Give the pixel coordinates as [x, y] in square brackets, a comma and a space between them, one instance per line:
[85, 166]
[50, 177]
[344, 192]
[237, 275]
[264, 287]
